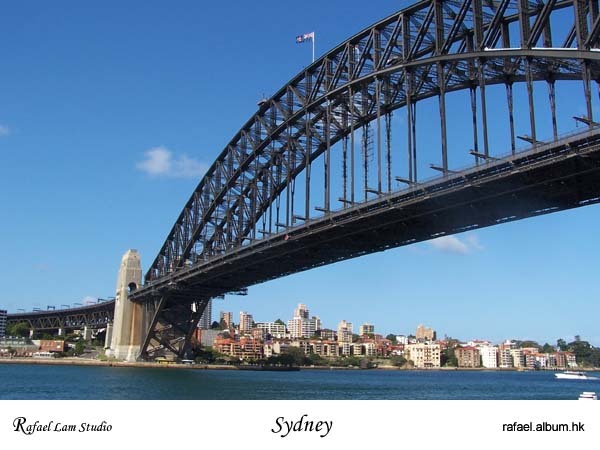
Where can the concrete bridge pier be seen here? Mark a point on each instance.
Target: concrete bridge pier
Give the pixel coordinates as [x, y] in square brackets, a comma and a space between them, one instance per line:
[127, 326]
[108, 337]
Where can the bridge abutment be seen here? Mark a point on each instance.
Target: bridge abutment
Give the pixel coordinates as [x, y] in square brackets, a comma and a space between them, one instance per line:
[126, 333]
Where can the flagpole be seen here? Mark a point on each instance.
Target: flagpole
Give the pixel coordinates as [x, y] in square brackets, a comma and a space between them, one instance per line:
[313, 46]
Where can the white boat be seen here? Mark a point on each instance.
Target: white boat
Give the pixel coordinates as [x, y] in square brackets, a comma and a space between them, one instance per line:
[588, 396]
[570, 375]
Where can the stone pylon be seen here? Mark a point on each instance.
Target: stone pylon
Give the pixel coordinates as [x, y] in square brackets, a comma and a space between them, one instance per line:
[127, 326]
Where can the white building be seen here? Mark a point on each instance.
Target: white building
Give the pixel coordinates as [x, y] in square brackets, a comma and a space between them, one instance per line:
[301, 326]
[402, 340]
[489, 356]
[276, 330]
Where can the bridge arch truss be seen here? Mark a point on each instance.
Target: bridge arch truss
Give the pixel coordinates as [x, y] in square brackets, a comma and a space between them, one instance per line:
[326, 141]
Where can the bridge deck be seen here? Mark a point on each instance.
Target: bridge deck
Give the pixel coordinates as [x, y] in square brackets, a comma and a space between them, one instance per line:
[547, 178]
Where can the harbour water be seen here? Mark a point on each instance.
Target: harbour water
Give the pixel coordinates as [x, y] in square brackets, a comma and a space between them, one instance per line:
[41, 382]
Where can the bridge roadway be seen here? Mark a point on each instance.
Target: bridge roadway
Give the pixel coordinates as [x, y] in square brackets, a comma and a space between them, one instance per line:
[546, 178]
[91, 316]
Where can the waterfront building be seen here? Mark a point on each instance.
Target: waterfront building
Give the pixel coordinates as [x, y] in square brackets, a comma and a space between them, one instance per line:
[274, 329]
[489, 356]
[17, 346]
[505, 359]
[424, 354]
[369, 349]
[244, 348]
[3, 315]
[226, 317]
[518, 357]
[425, 334]
[324, 348]
[366, 329]
[246, 322]
[467, 356]
[566, 359]
[52, 346]
[206, 318]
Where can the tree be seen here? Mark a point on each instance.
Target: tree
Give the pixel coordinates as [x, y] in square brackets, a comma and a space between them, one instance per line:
[391, 337]
[562, 345]
[279, 322]
[20, 329]
[547, 348]
[295, 355]
[79, 348]
[215, 325]
[448, 357]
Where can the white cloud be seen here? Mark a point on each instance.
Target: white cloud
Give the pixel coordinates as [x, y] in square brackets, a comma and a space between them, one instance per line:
[4, 130]
[89, 299]
[453, 244]
[160, 161]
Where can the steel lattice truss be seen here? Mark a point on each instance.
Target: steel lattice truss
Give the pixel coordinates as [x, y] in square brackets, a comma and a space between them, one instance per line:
[233, 231]
[428, 49]
[93, 316]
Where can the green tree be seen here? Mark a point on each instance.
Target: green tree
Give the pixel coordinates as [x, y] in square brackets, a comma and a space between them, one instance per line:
[79, 348]
[20, 329]
[562, 345]
[279, 322]
[391, 337]
[215, 325]
[547, 348]
[295, 355]
[315, 360]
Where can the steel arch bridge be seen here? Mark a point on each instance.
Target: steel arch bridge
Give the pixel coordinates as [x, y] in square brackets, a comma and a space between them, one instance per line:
[314, 177]
[94, 316]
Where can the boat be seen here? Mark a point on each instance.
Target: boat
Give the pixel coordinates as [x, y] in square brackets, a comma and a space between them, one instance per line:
[588, 396]
[570, 375]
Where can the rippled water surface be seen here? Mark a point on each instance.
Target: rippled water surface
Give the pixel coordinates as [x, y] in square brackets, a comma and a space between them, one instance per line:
[77, 382]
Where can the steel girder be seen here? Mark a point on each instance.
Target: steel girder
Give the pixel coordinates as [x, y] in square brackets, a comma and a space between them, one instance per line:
[428, 49]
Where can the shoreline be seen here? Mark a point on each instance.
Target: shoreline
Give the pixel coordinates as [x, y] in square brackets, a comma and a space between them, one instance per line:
[174, 365]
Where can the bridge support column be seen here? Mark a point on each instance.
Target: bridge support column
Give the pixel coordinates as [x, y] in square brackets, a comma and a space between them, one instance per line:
[61, 332]
[87, 334]
[127, 326]
[109, 333]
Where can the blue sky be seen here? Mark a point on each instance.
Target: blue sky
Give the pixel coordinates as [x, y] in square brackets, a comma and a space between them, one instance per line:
[109, 115]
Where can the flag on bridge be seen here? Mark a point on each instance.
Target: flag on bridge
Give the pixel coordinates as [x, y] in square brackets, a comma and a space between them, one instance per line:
[307, 37]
